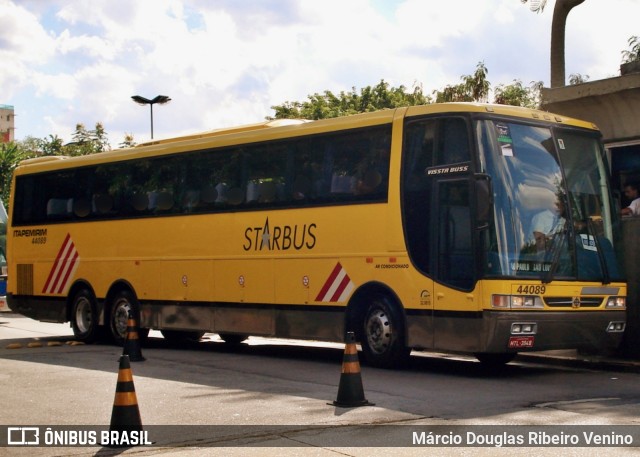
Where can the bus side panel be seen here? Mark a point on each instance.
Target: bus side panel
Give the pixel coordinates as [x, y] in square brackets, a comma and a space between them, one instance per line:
[458, 330]
[176, 316]
[234, 318]
[325, 324]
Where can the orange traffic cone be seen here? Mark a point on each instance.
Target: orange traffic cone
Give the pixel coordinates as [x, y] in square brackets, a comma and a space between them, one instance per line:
[125, 415]
[132, 346]
[350, 391]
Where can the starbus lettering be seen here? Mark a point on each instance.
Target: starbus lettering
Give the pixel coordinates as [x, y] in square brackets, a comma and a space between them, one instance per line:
[279, 237]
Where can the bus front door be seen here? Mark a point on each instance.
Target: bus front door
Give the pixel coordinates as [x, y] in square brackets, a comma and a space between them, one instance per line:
[455, 316]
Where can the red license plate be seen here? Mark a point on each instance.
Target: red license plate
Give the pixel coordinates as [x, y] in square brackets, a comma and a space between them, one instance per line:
[516, 342]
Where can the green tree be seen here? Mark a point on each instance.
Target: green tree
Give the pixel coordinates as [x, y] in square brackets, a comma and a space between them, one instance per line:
[11, 154]
[633, 53]
[516, 94]
[31, 144]
[52, 146]
[370, 98]
[577, 78]
[128, 141]
[473, 88]
[87, 141]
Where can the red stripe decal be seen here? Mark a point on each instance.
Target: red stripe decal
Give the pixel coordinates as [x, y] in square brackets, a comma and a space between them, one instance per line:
[69, 268]
[55, 263]
[329, 282]
[63, 267]
[343, 285]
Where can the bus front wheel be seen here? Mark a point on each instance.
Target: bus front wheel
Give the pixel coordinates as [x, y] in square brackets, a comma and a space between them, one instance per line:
[383, 335]
[84, 317]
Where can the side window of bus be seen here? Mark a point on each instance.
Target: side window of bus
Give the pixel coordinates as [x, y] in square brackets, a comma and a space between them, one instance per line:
[430, 144]
[433, 142]
[59, 190]
[211, 181]
[292, 172]
[453, 142]
[359, 165]
[309, 182]
[418, 155]
[266, 175]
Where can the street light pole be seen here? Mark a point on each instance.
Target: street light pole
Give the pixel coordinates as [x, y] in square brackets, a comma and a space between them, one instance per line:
[158, 99]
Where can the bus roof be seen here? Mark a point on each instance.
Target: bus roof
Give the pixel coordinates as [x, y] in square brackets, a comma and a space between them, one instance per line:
[229, 130]
[285, 128]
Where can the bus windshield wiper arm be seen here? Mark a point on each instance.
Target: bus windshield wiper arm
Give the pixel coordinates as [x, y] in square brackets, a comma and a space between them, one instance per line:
[556, 249]
[603, 262]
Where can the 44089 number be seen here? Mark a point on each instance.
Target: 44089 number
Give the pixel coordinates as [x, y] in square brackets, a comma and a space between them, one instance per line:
[531, 289]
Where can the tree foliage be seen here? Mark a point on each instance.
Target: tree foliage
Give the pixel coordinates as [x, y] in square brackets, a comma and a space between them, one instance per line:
[370, 98]
[516, 94]
[633, 53]
[577, 78]
[11, 154]
[472, 88]
[128, 141]
[87, 141]
[84, 142]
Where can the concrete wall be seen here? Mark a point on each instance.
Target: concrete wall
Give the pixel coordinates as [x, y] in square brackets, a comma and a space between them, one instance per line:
[612, 104]
[631, 236]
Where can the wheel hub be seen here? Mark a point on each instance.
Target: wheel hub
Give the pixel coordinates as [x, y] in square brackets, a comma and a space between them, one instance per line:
[121, 317]
[83, 316]
[378, 331]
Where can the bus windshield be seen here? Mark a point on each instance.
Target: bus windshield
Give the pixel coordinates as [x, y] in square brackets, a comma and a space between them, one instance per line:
[553, 215]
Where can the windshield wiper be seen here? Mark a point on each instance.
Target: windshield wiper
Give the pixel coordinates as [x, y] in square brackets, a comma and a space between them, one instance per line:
[554, 253]
[603, 262]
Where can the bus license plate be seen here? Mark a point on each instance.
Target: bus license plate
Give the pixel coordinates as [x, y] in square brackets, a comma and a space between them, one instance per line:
[516, 342]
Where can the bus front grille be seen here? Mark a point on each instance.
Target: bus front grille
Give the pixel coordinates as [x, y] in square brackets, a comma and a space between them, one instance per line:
[573, 302]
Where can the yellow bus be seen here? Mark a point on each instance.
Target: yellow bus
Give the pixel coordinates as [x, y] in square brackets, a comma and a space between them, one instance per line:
[470, 228]
[3, 259]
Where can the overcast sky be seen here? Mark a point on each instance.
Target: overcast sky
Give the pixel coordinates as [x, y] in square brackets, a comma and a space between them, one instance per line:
[226, 62]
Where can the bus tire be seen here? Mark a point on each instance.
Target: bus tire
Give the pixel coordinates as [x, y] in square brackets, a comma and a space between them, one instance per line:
[182, 337]
[495, 360]
[84, 317]
[123, 303]
[383, 334]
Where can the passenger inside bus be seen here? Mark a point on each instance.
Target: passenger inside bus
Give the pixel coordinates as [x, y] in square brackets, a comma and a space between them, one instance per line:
[546, 223]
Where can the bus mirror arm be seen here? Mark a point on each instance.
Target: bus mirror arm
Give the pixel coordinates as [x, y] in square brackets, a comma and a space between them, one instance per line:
[484, 200]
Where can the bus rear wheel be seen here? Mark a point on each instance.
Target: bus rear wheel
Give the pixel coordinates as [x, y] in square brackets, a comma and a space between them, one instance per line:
[383, 335]
[84, 317]
[123, 304]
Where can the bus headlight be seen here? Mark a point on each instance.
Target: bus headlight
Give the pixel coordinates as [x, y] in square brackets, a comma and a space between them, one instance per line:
[516, 302]
[617, 302]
